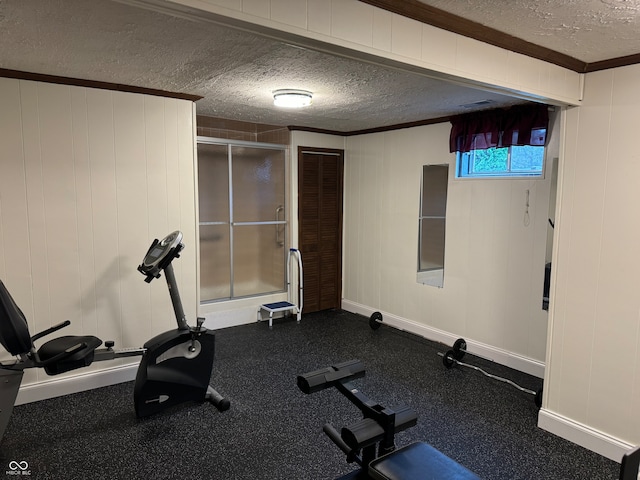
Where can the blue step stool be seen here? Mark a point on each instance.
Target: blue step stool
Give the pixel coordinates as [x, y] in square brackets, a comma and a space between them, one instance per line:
[287, 306]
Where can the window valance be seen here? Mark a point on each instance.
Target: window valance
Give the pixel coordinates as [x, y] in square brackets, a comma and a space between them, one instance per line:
[518, 125]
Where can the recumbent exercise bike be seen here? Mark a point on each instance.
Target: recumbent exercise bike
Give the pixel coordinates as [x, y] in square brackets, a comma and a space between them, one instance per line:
[175, 366]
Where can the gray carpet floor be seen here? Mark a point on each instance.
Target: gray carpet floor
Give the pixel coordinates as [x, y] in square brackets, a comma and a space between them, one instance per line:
[274, 431]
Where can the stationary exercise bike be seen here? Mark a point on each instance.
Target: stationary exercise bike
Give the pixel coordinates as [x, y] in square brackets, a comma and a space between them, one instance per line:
[175, 367]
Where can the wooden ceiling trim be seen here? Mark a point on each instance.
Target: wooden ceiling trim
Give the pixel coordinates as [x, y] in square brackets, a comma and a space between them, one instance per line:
[613, 63]
[78, 82]
[447, 21]
[468, 28]
[387, 128]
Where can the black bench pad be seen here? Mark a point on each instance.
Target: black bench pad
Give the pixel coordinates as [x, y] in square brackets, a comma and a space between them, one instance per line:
[418, 461]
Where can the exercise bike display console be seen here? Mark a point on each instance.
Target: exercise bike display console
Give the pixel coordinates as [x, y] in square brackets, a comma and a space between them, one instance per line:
[160, 254]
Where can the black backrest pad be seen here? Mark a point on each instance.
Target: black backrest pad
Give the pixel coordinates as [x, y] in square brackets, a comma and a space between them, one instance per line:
[14, 331]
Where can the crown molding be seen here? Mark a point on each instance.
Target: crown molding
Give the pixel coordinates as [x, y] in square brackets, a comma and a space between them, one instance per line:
[78, 82]
[436, 17]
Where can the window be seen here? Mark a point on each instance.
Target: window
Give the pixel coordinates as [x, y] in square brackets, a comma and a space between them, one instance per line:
[243, 223]
[514, 161]
[502, 142]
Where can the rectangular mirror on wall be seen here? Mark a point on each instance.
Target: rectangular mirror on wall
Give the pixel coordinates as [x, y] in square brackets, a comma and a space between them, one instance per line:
[431, 224]
[553, 192]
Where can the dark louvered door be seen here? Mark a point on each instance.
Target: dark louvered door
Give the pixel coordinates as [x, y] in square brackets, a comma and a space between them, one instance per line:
[320, 174]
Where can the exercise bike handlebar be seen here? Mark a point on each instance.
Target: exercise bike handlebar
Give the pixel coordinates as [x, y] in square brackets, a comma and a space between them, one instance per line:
[158, 259]
[50, 330]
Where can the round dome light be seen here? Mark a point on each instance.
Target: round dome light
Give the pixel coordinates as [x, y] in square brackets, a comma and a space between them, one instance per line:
[290, 98]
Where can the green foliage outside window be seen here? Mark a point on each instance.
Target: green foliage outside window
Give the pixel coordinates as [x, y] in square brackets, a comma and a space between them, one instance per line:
[527, 159]
[490, 160]
[506, 161]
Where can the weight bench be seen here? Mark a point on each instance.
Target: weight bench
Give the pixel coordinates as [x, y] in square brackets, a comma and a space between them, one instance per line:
[418, 460]
[370, 441]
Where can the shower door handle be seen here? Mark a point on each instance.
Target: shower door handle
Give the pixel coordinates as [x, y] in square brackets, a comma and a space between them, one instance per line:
[278, 241]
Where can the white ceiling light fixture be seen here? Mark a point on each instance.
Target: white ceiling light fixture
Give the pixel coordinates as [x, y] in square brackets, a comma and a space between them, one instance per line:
[291, 98]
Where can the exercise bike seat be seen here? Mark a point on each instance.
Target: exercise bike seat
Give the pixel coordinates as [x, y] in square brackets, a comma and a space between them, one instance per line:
[418, 460]
[80, 350]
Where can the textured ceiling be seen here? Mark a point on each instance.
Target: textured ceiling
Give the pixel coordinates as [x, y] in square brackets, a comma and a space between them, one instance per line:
[236, 71]
[588, 30]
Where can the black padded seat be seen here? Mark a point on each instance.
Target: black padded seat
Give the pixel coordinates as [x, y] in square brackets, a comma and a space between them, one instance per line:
[79, 359]
[418, 461]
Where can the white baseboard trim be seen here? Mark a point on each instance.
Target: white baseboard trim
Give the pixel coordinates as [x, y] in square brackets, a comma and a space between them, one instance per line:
[56, 387]
[503, 357]
[582, 435]
[241, 315]
[230, 318]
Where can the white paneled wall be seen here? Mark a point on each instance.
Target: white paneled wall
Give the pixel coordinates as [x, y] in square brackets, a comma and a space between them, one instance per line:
[593, 389]
[360, 27]
[88, 179]
[494, 262]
